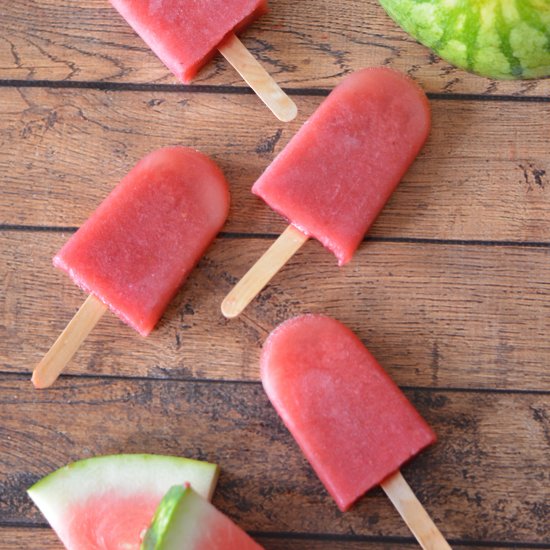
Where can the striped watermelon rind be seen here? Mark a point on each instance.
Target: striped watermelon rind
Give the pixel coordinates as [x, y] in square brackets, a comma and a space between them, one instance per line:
[502, 39]
[168, 509]
[185, 520]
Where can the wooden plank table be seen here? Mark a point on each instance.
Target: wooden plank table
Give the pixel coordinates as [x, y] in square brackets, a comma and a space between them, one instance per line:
[450, 290]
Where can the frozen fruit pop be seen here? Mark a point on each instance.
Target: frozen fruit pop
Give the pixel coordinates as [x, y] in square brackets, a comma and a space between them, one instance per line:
[185, 34]
[139, 246]
[335, 175]
[351, 421]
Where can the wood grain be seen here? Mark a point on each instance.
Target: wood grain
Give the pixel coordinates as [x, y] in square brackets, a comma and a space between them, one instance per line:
[434, 315]
[484, 174]
[306, 45]
[485, 480]
[451, 292]
[16, 538]
[13, 538]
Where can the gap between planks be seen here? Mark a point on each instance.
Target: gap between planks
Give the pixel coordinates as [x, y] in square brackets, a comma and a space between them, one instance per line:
[314, 537]
[20, 375]
[268, 236]
[238, 90]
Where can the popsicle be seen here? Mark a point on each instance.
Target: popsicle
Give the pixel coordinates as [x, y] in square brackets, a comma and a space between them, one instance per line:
[139, 246]
[335, 175]
[351, 421]
[185, 35]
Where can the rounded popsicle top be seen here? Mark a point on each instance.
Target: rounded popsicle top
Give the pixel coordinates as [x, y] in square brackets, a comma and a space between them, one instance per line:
[335, 175]
[139, 246]
[349, 418]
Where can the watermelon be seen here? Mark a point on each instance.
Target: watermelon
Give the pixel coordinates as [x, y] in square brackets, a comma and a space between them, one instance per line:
[495, 38]
[185, 520]
[107, 502]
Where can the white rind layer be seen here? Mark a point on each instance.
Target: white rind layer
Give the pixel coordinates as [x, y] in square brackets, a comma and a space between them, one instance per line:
[125, 474]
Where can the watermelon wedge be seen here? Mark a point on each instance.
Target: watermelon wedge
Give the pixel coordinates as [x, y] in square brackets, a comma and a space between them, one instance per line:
[107, 502]
[185, 520]
[495, 38]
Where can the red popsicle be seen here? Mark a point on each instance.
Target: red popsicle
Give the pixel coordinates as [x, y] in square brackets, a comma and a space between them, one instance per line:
[185, 34]
[335, 175]
[141, 243]
[351, 421]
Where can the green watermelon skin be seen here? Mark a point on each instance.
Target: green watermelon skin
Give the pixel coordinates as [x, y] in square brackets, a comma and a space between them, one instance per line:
[501, 39]
[186, 521]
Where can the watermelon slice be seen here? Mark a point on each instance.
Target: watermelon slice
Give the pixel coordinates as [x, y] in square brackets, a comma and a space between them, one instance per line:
[494, 38]
[185, 520]
[107, 502]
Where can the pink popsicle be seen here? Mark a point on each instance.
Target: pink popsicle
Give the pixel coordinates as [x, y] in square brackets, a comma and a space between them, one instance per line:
[335, 175]
[351, 421]
[139, 246]
[185, 34]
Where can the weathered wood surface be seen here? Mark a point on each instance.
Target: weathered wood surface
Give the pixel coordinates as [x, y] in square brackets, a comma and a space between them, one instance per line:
[13, 538]
[45, 539]
[16, 539]
[303, 44]
[435, 316]
[451, 291]
[483, 175]
[485, 480]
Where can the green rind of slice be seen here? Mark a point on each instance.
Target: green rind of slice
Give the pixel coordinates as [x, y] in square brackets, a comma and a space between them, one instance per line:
[113, 467]
[168, 508]
[504, 39]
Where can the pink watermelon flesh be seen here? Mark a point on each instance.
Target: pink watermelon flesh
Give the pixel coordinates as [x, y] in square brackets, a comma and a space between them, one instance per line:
[221, 533]
[109, 522]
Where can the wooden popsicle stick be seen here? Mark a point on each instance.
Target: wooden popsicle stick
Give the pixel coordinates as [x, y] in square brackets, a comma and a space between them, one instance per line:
[258, 78]
[414, 514]
[275, 257]
[85, 319]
